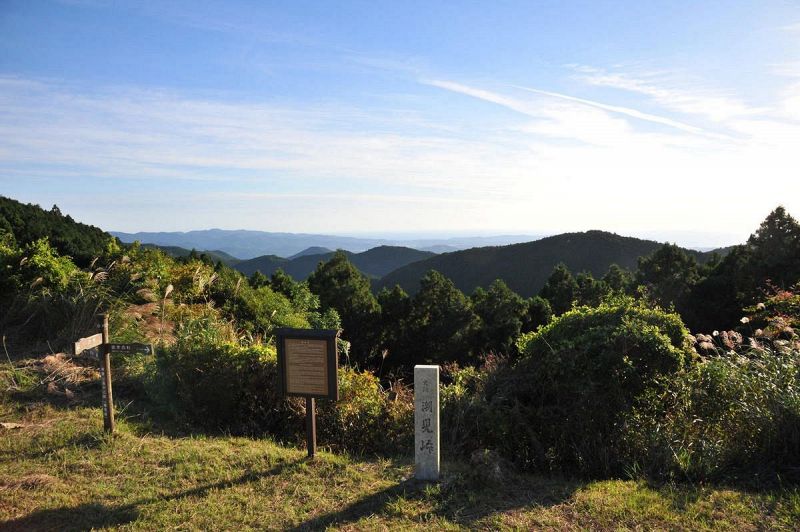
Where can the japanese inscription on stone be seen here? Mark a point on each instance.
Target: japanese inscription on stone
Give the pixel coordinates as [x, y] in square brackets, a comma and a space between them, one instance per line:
[306, 366]
[426, 422]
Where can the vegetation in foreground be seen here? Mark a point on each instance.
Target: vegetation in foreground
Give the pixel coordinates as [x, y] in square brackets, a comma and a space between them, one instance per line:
[58, 471]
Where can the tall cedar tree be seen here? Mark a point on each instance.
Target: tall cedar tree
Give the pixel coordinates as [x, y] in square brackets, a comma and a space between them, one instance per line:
[341, 286]
[442, 322]
[502, 314]
[538, 313]
[669, 275]
[590, 290]
[396, 345]
[618, 280]
[770, 256]
[560, 290]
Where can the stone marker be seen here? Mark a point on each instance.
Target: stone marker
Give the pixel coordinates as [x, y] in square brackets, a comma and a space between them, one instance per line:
[426, 422]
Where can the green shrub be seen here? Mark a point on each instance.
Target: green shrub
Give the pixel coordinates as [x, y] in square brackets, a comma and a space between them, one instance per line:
[732, 415]
[232, 388]
[367, 418]
[223, 387]
[561, 406]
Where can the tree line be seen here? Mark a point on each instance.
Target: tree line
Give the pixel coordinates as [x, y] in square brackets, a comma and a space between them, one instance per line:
[391, 331]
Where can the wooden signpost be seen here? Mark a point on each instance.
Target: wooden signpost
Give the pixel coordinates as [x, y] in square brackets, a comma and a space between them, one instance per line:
[100, 341]
[307, 367]
[142, 349]
[88, 343]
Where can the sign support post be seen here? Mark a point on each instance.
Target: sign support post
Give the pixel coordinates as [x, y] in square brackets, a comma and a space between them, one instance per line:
[105, 368]
[311, 427]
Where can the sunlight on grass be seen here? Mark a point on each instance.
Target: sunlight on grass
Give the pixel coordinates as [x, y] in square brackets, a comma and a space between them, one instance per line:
[61, 471]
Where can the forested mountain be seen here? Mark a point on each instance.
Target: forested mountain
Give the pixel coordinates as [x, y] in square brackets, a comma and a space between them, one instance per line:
[28, 222]
[313, 250]
[375, 262]
[526, 267]
[213, 256]
[382, 260]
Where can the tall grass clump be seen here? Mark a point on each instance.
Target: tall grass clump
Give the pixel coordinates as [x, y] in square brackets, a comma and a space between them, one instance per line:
[45, 298]
[736, 413]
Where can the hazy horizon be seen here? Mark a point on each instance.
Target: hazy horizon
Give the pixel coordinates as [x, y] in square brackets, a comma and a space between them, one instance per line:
[692, 240]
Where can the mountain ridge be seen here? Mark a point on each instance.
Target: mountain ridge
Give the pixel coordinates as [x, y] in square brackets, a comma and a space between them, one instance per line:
[248, 244]
[525, 267]
[375, 262]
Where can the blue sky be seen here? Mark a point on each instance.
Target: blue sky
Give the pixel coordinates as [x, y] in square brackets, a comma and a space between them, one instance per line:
[678, 119]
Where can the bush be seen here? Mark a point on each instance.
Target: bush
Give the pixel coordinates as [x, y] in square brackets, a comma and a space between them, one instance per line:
[367, 418]
[562, 405]
[225, 388]
[232, 388]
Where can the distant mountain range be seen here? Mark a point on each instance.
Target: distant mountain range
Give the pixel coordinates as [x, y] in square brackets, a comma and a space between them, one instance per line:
[525, 267]
[245, 244]
[216, 255]
[375, 262]
[315, 250]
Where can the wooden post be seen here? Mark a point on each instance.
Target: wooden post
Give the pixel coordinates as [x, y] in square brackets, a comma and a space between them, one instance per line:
[105, 370]
[311, 427]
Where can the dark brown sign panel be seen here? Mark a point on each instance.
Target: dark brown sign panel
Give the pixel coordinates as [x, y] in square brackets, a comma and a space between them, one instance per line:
[307, 363]
[144, 349]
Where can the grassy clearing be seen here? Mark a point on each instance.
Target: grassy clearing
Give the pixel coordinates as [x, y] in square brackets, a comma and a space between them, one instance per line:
[59, 471]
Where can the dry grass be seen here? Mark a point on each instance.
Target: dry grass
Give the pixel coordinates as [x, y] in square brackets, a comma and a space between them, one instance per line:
[153, 327]
[28, 482]
[61, 368]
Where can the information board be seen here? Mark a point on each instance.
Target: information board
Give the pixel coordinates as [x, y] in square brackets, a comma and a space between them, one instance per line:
[306, 366]
[307, 362]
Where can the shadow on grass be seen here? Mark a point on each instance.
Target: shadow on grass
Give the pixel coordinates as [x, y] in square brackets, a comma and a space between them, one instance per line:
[87, 441]
[91, 516]
[458, 498]
[84, 517]
[372, 504]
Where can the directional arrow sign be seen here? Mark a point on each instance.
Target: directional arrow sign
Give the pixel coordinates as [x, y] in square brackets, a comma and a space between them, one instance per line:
[88, 343]
[144, 349]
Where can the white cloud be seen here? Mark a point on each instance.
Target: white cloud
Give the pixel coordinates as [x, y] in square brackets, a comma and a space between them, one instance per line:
[621, 110]
[559, 163]
[527, 109]
[715, 105]
[791, 101]
[789, 69]
[481, 94]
